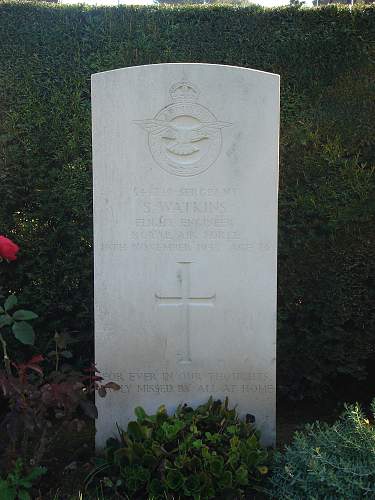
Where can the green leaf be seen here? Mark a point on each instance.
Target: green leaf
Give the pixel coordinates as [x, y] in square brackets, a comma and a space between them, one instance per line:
[23, 315]
[24, 332]
[135, 430]
[5, 320]
[1, 309]
[66, 354]
[252, 442]
[149, 460]
[192, 485]
[7, 492]
[226, 479]
[156, 488]
[123, 456]
[251, 458]
[10, 302]
[174, 480]
[242, 476]
[217, 465]
[23, 495]
[24, 483]
[36, 473]
[140, 413]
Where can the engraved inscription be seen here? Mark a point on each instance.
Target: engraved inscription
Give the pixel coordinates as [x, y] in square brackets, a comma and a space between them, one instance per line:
[184, 137]
[184, 219]
[184, 301]
[193, 382]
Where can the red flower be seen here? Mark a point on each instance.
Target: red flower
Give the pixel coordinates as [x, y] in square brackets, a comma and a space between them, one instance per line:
[8, 249]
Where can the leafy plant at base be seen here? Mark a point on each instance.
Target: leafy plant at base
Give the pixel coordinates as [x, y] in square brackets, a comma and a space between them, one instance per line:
[17, 484]
[203, 453]
[39, 405]
[17, 323]
[328, 461]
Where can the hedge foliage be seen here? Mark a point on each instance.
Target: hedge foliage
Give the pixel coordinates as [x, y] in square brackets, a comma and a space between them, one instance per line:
[327, 196]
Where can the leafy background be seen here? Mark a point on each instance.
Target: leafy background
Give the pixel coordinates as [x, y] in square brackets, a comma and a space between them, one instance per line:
[325, 57]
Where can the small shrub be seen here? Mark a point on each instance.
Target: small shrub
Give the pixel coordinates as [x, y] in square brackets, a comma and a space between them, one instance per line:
[17, 484]
[203, 453]
[329, 461]
[38, 404]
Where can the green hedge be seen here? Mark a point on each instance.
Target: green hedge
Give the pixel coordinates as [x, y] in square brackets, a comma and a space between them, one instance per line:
[326, 232]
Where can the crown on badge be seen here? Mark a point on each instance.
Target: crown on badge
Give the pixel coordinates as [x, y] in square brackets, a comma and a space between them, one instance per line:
[183, 92]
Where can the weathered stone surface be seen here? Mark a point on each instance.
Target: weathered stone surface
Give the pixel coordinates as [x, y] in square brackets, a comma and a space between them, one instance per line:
[185, 223]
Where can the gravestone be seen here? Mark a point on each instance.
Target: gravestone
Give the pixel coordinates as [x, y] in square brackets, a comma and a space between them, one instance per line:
[185, 160]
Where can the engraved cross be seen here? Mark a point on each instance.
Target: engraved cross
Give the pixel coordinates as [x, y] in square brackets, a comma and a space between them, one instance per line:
[185, 301]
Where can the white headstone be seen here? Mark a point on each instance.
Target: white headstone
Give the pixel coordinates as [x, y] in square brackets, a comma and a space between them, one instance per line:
[185, 222]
